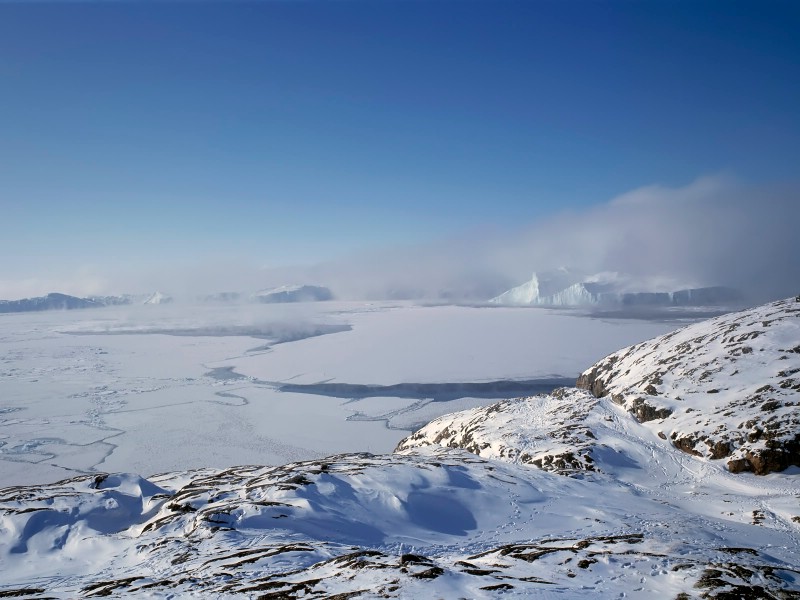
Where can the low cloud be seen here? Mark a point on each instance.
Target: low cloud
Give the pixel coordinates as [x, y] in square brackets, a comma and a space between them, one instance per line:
[714, 231]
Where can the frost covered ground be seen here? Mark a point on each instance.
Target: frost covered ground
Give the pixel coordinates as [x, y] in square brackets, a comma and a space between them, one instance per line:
[150, 389]
[562, 495]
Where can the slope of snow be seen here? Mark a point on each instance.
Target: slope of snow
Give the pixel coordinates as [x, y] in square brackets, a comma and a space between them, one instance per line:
[443, 523]
[552, 431]
[727, 388]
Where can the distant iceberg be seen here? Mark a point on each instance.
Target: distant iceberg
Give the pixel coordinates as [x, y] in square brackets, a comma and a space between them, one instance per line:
[609, 290]
[158, 298]
[294, 293]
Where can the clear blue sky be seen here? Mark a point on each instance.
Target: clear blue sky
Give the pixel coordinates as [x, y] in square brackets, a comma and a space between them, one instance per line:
[300, 131]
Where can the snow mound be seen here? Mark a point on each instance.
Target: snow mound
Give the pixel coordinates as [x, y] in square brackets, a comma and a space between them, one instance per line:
[728, 387]
[294, 293]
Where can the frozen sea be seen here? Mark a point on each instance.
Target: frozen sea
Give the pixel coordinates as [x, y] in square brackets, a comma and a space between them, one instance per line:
[150, 389]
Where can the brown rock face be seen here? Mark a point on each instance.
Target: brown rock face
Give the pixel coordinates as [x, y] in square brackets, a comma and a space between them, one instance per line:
[768, 460]
[643, 411]
[591, 382]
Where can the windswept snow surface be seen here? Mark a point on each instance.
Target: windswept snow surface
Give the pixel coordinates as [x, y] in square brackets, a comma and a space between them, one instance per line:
[149, 389]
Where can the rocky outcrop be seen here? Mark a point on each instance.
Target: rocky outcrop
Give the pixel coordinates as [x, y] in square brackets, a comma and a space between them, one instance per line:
[550, 431]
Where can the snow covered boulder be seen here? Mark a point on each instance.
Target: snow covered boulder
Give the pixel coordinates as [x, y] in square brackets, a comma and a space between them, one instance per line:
[727, 388]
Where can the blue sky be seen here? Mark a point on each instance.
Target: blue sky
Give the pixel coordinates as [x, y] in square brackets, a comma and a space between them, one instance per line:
[138, 134]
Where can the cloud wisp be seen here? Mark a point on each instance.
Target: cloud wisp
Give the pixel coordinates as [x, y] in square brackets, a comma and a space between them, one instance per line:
[714, 231]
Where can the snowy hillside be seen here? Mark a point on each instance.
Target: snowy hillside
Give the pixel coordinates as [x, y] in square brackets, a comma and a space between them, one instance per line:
[724, 388]
[444, 523]
[555, 432]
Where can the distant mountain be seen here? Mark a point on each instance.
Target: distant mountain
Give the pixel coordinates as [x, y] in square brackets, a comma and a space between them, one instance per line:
[727, 388]
[609, 290]
[294, 293]
[56, 301]
[49, 302]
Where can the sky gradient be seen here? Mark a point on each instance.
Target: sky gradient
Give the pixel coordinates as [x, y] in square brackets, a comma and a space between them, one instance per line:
[143, 136]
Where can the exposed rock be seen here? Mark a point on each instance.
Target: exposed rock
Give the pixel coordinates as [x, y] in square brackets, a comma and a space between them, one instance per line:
[644, 411]
[550, 431]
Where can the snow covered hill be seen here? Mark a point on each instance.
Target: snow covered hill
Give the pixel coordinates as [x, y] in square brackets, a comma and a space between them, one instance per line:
[556, 432]
[728, 387]
[442, 523]
[579, 493]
